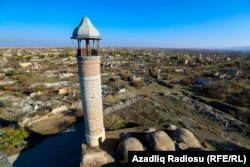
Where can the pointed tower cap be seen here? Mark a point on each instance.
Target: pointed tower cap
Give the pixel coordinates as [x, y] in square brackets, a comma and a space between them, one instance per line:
[86, 30]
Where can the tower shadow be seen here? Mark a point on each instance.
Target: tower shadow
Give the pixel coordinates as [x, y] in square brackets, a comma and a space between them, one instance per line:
[61, 150]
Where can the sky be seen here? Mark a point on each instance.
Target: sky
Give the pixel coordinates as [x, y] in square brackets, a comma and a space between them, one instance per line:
[128, 23]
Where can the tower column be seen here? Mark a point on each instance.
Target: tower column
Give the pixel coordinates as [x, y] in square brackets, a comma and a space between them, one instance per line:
[91, 94]
[88, 61]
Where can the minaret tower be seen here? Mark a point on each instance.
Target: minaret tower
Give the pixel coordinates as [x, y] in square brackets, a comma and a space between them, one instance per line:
[88, 61]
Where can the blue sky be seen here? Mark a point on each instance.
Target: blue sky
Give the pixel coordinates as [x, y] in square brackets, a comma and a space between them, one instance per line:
[132, 23]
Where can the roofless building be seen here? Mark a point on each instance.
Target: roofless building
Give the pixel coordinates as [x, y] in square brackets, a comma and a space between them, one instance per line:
[88, 61]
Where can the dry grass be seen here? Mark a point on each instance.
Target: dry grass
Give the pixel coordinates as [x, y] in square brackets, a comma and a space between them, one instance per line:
[114, 122]
[113, 99]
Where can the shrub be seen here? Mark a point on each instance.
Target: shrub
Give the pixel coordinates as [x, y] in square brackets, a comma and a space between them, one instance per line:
[138, 84]
[181, 60]
[240, 99]
[216, 91]
[117, 85]
[112, 99]
[115, 122]
[12, 73]
[125, 76]
[1, 111]
[20, 58]
[237, 63]
[13, 137]
[197, 60]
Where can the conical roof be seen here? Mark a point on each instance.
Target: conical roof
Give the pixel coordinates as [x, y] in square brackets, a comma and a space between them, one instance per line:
[85, 30]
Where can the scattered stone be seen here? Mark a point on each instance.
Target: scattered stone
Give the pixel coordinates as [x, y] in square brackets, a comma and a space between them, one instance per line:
[25, 65]
[63, 91]
[122, 105]
[36, 107]
[136, 79]
[96, 159]
[36, 93]
[171, 127]
[208, 111]
[6, 83]
[183, 135]
[159, 141]
[32, 65]
[59, 109]
[35, 65]
[179, 70]
[66, 75]
[51, 73]
[222, 76]
[3, 61]
[124, 90]
[57, 84]
[50, 85]
[6, 70]
[216, 74]
[129, 144]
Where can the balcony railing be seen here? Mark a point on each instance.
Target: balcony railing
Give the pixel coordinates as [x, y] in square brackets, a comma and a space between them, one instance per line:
[84, 52]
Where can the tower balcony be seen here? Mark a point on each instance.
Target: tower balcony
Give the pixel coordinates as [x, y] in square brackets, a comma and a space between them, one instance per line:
[84, 52]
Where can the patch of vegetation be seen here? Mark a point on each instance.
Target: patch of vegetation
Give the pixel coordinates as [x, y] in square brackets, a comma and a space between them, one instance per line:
[12, 73]
[240, 99]
[55, 104]
[1, 111]
[125, 76]
[13, 139]
[113, 99]
[66, 53]
[33, 78]
[219, 92]
[51, 55]
[119, 84]
[5, 103]
[138, 84]
[23, 58]
[114, 122]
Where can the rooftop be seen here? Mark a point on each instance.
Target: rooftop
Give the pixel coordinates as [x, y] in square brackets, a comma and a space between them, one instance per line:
[86, 30]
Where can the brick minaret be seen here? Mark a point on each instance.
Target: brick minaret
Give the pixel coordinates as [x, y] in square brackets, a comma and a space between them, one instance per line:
[90, 81]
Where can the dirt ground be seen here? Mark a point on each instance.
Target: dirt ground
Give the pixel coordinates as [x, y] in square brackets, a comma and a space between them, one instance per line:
[56, 123]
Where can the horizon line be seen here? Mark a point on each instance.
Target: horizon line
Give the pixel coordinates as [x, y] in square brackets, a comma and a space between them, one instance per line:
[147, 47]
